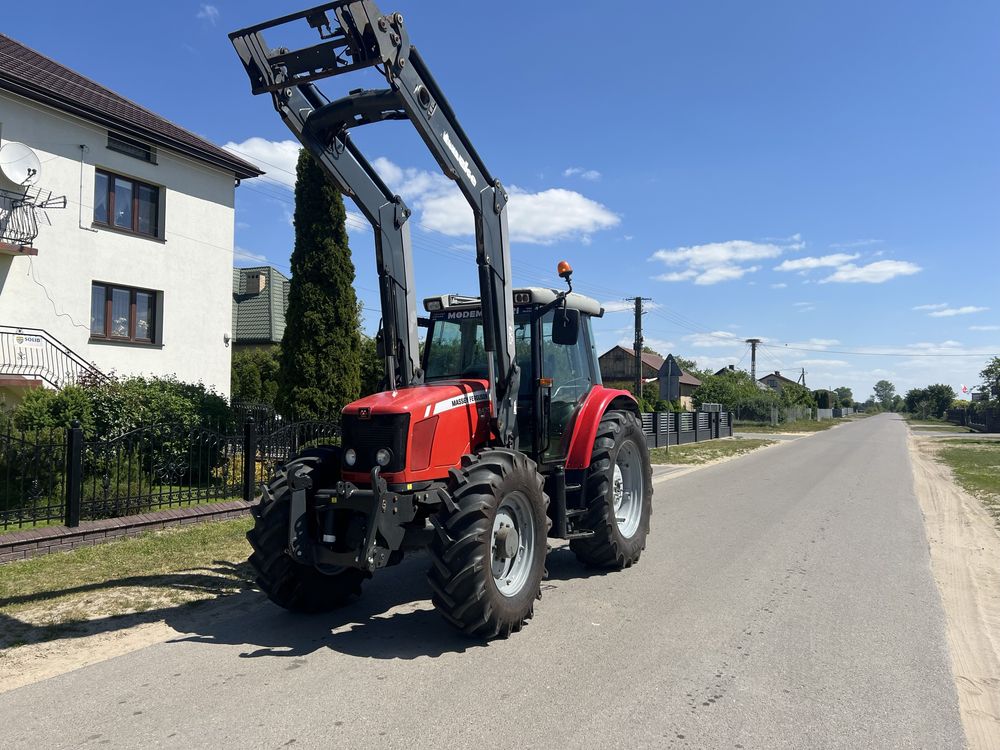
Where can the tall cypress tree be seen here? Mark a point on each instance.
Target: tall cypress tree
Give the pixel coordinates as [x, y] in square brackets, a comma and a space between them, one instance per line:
[320, 351]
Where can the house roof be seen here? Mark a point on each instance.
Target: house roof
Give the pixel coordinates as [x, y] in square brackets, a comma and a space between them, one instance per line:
[30, 74]
[779, 376]
[259, 318]
[656, 362]
[652, 360]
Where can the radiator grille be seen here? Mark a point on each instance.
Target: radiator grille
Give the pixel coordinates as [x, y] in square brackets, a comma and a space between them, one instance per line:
[366, 436]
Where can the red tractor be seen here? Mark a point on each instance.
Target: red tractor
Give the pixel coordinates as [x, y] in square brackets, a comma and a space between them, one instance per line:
[499, 436]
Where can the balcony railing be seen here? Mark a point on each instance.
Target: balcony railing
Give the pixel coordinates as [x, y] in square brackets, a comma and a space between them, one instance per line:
[35, 354]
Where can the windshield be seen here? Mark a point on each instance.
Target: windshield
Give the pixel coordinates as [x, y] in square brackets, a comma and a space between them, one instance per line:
[455, 348]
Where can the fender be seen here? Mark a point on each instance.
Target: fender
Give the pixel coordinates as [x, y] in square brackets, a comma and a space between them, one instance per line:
[588, 418]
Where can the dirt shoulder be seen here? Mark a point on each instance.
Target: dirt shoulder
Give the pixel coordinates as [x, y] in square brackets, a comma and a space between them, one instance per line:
[965, 560]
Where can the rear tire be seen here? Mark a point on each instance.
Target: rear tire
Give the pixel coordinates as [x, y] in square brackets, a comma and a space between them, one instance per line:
[618, 493]
[299, 588]
[481, 586]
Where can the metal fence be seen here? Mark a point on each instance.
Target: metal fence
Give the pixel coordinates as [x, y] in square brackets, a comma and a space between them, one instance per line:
[980, 420]
[678, 428]
[60, 477]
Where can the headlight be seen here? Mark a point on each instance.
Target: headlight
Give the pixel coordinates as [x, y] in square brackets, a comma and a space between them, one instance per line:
[383, 456]
[350, 457]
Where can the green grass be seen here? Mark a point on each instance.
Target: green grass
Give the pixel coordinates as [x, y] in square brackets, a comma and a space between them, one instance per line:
[936, 425]
[703, 453]
[976, 466]
[46, 597]
[801, 425]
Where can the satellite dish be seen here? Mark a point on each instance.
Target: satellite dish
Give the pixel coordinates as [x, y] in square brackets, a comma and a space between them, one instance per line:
[19, 163]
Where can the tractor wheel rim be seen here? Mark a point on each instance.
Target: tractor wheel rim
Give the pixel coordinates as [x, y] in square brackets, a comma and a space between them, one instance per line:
[511, 574]
[628, 489]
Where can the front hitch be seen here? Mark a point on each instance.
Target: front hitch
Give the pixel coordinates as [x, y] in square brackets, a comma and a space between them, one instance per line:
[383, 514]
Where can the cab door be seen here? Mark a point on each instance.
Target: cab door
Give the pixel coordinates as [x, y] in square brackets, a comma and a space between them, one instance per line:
[571, 369]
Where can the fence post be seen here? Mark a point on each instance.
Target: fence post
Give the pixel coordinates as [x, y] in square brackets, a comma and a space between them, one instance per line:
[249, 459]
[74, 473]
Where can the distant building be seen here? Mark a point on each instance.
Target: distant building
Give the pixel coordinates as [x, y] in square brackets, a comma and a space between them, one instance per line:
[618, 363]
[260, 300]
[618, 369]
[776, 381]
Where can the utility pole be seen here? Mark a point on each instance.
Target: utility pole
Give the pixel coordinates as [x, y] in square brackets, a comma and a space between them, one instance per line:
[637, 301]
[753, 357]
[802, 377]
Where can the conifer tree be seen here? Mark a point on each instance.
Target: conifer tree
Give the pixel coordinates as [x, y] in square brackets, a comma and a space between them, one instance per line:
[320, 351]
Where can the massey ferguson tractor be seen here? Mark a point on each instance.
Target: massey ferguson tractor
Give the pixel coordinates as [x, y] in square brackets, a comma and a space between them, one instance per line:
[499, 435]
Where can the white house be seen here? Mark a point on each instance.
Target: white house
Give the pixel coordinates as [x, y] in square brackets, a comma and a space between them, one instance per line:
[134, 275]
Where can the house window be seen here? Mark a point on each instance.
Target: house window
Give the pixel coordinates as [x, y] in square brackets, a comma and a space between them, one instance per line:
[120, 313]
[126, 204]
[131, 147]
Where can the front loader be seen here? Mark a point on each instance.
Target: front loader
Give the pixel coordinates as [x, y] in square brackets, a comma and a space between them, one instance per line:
[500, 435]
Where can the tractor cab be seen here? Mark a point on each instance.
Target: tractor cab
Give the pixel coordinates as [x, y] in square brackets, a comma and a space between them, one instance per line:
[555, 352]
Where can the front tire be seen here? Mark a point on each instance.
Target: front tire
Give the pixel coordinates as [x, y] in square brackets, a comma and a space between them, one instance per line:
[488, 552]
[296, 587]
[618, 493]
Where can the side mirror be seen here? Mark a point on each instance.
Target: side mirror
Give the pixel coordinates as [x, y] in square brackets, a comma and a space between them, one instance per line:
[566, 327]
[380, 344]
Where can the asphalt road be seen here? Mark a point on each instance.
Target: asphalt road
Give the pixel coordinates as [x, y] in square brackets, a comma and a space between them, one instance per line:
[785, 600]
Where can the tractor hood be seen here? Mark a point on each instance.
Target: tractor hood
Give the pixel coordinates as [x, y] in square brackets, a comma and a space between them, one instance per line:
[422, 401]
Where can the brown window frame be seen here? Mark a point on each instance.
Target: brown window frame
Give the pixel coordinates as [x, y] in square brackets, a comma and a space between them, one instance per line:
[136, 184]
[107, 335]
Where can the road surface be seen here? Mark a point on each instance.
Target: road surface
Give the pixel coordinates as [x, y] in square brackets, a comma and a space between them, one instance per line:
[785, 600]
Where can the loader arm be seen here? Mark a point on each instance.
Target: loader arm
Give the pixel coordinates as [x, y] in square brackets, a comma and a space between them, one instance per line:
[355, 35]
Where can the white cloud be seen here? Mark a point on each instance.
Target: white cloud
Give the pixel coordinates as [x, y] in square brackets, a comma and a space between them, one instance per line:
[586, 174]
[802, 304]
[724, 273]
[539, 218]
[208, 13]
[715, 261]
[663, 346]
[781, 285]
[821, 363]
[937, 306]
[809, 263]
[621, 305]
[276, 158]
[984, 328]
[246, 255]
[854, 243]
[677, 275]
[950, 312]
[715, 339]
[873, 273]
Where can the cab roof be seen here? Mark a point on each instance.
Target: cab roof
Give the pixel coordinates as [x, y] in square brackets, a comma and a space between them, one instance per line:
[530, 295]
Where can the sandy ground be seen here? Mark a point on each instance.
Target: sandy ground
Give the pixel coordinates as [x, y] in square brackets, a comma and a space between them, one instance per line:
[965, 561]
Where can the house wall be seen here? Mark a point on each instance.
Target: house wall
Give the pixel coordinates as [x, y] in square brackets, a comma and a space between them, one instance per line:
[619, 365]
[191, 265]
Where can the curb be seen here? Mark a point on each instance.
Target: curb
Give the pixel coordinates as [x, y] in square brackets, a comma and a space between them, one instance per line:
[22, 545]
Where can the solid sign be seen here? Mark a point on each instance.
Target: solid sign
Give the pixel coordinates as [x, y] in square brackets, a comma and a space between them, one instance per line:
[980, 396]
[30, 341]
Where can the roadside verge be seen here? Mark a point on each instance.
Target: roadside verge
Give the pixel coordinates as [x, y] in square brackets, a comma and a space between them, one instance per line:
[965, 560]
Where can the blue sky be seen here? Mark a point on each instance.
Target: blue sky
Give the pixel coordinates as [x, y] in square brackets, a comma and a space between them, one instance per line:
[822, 176]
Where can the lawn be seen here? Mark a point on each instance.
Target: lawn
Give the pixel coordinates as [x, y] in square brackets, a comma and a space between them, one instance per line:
[801, 425]
[706, 452]
[976, 466]
[935, 425]
[48, 596]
